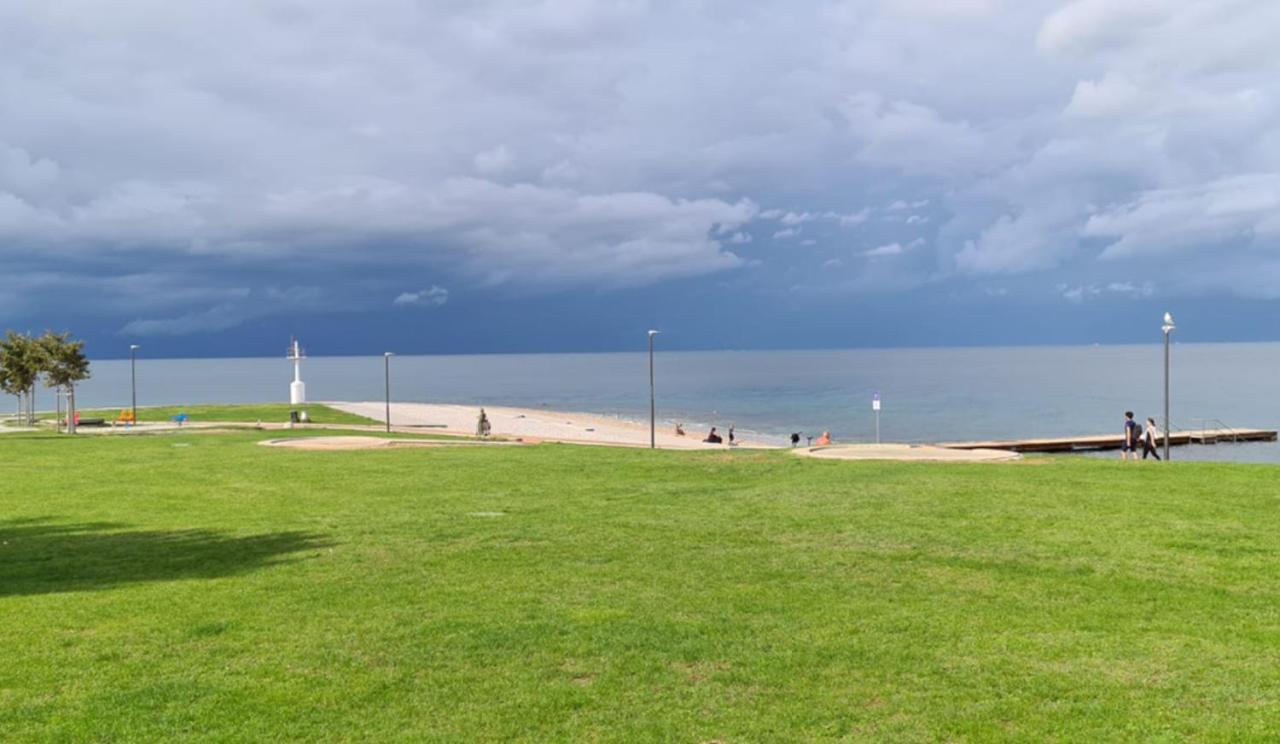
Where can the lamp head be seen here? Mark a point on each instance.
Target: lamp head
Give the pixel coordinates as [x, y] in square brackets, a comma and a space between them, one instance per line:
[653, 333]
[134, 347]
[1168, 323]
[388, 353]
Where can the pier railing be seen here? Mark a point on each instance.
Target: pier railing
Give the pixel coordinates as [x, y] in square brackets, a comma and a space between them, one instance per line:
[1213, 430]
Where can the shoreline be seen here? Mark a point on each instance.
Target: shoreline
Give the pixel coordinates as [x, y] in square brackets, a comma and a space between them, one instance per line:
[539, 424]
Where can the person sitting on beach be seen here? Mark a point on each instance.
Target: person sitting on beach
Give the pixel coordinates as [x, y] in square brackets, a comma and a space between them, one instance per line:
[679, 430]
[713, 437]
[824, 440]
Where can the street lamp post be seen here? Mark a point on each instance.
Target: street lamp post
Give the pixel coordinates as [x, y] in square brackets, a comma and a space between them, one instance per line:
[133, 380]
[386, 384]
[653, 410]
[1168, 328]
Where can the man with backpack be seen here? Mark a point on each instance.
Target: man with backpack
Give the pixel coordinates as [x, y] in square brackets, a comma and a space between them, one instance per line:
[1131, 436]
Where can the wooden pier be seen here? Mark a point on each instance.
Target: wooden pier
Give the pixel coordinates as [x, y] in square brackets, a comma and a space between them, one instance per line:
[1116, 441]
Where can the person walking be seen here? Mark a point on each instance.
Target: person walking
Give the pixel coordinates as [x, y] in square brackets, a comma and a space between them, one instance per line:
[1131, 435]
[1149, 437]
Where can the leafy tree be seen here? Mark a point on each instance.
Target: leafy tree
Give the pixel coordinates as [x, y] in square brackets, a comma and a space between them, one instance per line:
[21, 361]
[64, 365]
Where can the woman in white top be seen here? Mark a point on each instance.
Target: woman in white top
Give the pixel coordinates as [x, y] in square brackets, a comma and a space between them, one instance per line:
[1149, 440]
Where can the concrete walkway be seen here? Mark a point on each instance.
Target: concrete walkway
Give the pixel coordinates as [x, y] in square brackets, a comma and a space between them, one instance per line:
[906, 452]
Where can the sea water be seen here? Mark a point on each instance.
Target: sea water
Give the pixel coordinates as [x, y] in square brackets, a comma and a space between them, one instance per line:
[928, 395]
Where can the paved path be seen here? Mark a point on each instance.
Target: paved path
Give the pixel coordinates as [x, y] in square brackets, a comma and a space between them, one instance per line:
[907, 452]
[367, 443]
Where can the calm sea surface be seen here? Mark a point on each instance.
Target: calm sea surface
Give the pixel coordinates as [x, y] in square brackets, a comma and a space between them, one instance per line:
[928, 394]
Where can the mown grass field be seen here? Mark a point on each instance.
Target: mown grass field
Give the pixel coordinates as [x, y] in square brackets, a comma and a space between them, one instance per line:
[198, 586]
[265, 412]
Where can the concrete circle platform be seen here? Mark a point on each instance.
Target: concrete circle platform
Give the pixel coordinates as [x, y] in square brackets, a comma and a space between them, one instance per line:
[906, 452]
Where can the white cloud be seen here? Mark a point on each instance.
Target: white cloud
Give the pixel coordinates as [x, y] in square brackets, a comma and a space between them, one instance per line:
[1087, 26]
[1144, 289]
[1078, 294]
[1081, 293]
[913, 137]
[1238, 210]
[431, 297]
[850, 219]
[786, 233]
[889, 249]
[494, 161]
[795, 218]
[1034, 239]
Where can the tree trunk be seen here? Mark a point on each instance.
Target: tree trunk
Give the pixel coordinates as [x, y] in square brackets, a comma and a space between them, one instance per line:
[31, 406]
[71, 409]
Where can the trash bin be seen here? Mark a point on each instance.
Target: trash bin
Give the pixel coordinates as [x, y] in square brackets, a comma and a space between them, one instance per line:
[293, 417]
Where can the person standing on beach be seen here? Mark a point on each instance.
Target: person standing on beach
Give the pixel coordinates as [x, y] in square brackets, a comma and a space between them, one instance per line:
[731, 435]
[1131, 434]
[1149, 440]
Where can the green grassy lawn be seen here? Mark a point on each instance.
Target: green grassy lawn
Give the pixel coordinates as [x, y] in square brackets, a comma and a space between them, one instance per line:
[203, 587]
[265, 412]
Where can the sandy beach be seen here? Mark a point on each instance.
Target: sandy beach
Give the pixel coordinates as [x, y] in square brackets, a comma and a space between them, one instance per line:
[532, 424]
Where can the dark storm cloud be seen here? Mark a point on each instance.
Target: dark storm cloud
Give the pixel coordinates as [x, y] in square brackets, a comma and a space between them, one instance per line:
[188, 168]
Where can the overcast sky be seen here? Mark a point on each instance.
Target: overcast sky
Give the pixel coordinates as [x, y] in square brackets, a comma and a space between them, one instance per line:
[483, 175]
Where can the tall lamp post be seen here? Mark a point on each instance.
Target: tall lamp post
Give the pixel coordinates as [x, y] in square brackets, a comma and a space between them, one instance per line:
[386, 384]
[653, 410]
[1168, 328]
[133, 379]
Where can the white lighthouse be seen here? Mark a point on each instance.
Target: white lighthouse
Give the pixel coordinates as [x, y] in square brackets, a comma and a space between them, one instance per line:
[297, 388]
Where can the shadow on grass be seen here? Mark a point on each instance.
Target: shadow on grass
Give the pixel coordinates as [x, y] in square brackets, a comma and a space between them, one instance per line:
[43, 556]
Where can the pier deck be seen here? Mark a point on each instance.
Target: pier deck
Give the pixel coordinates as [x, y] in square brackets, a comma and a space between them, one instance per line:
[1115, 441]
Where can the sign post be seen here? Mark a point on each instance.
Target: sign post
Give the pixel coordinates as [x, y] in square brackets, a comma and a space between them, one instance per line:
[875, 406]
